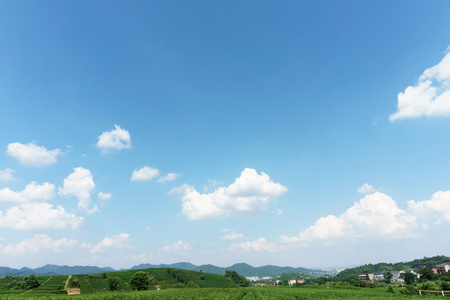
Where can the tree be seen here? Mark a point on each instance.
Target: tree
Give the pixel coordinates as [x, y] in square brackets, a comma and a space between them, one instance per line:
[32, 281]
[236, 278]
[139, 281]
[74, 283]
[388, 276]
[425, 273]
[113, 283]
[390, 290]
[408, 277]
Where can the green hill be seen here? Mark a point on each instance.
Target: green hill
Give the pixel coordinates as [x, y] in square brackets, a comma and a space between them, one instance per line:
[162, 278]
[415, 264]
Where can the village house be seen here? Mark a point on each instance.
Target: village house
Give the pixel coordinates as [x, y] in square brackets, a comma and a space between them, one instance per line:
[434, 268]
[396, 278]
[366, 275]
[292, 282]
[271, 283]
[443, 268]
[379, 276]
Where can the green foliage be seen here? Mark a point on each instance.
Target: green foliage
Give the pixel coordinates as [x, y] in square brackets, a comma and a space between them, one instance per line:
[360, 284]
[113, 283]
[32, 281]
[425, 273]
[428, 286]
[445, 285]
[74, 283]
[390, 290]
[388, 276]
[236, 278]
[408, 277]
[140, 281]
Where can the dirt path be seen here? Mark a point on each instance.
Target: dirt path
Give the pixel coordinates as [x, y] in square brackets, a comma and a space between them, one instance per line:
[67, 282]
[29, 291]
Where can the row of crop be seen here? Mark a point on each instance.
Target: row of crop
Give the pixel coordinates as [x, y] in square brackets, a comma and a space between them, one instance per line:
[269, 293]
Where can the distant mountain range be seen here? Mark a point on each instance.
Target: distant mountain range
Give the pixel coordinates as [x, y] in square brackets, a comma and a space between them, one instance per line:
[242, 268]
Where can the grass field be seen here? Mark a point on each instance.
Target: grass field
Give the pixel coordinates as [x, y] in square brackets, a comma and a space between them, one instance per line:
[307, 292]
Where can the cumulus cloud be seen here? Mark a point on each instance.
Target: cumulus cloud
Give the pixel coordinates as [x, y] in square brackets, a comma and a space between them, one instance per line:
[368, 189]
[231, 235]
[32, 193]
[38, 216]
[168, 177]
[7, 174]
[144, 174]
[180, 245]
[429, 97]
[80, 184]
[116, 139]
[33, 155]
[37, 244]
[436, 210]
[376, 216]
[249, 194]
[252, 246]
[120, 241]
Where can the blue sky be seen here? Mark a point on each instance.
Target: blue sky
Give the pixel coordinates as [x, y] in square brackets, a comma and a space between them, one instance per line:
[220, 132]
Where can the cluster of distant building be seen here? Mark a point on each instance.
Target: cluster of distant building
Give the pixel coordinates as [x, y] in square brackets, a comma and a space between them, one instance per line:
[268, 281]
[396, 275]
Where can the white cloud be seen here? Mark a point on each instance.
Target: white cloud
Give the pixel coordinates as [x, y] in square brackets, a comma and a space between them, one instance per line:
[368, 189]
[38, 216]
[37, 244]
[120, 241]
[32, 193]
[117, 139]
[249, 194]
[233, 235]
[33, 155]
[104, 196]
[426, 99]
[168, 177]
[252, 246]
[80, 184]
[144, 174]
[375, 216]
[180, 245]
[436, 210]
[7, 174]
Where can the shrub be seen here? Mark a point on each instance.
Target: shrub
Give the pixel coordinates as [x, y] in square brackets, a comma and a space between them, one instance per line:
[390, 290]
[113, 283]
[429, 286]
[74, 283]
[445, 285]
[139, 281]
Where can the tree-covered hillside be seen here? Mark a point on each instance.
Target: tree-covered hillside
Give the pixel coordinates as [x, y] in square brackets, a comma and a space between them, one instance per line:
[417, 263]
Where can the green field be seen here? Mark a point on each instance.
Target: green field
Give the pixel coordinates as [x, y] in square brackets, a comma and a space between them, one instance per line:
[93, 284]
[184, 284]
[307, 292]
